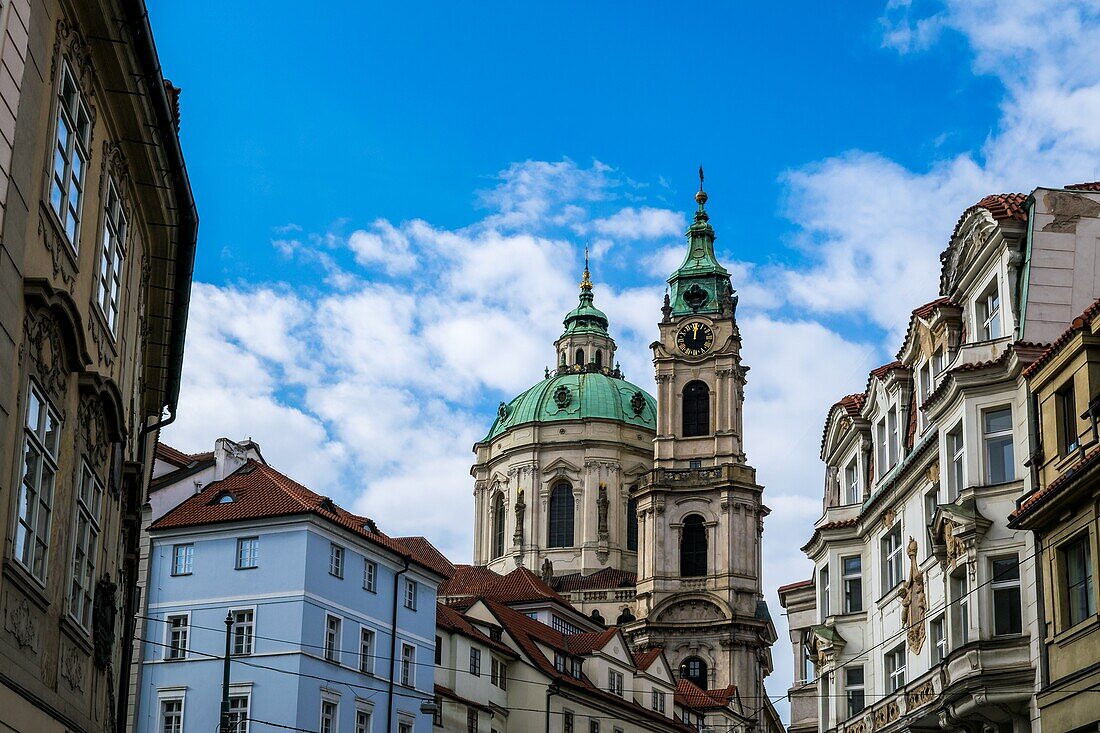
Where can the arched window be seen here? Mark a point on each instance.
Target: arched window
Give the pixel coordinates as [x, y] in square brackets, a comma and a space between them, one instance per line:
[599, 359]
[498, 525]
[563, 358]
[580, 357]
[696, 409]
[693, 547]
[632, 524]
[561, 516]
[694, 669]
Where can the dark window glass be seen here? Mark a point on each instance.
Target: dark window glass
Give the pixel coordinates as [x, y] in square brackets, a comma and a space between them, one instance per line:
[1007, 617]
[498, 525]
[695, 670]
[696, 409]
[632, 524]
[561, 516]
[693, 547]
[1067, 415]
[580, 356]
[599, 358]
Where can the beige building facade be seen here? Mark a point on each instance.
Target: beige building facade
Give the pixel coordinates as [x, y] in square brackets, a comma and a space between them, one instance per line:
[97, 244]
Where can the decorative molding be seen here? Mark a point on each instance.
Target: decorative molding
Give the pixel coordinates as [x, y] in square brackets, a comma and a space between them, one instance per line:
[888, 518]
[73, 662]
[913, 601]
[104, 611]
[921, 695]
[46, 351]
[22, 625]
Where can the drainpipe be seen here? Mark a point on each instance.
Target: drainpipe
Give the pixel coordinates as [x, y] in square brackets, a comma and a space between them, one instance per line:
[550, 691]
[393, 646]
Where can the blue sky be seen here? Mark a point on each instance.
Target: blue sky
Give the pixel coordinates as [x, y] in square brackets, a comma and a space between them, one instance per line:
[394, 200]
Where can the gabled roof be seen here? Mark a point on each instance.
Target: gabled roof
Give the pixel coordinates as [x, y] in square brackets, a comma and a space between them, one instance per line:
[427, 554]
[690, 695]
[1081, 322]
[644, 659]
[923, 312]
[796, 585]
[599, 580]
[591, 641]
[852, 406]
[1093, 186]
[1001, 206]
[451, 620]
[518, 586]
[258, 491]
[178, 458]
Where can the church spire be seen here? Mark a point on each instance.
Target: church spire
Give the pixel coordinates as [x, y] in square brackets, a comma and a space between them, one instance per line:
[585, 340]
[700, 284]
[586, 280]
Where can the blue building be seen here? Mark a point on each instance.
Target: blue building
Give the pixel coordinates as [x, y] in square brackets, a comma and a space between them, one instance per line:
[311, 593]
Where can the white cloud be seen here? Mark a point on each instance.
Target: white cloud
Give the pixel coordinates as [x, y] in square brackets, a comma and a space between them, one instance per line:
[383, 244]
[641, 223]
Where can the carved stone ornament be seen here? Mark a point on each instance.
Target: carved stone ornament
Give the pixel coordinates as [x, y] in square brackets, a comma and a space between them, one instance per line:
[637, 403]
[44, 348]
[104, 610]
[93, 431]
[547, 571]
[888, 518]
[21, 624]
[521, 508]
[563, 397]
[913, 601]
[63, 267]
[502, 411]
[72, 667]
[602, 505]
[934, 472]
[886, 714]
[922, 695]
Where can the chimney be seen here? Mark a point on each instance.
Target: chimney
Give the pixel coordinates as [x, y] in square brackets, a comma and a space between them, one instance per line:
[229, 456]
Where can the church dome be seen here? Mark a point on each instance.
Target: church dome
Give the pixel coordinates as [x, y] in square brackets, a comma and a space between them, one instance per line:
[578, 396]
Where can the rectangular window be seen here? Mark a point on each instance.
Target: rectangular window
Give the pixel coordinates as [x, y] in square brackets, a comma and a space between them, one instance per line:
[1066, 408]
[238, 713]
[437, 714]
[70, 156]
[823, 585]
[559, 662]
[248, 549]
[853, 583]
[894, 436]
[404, 727]
[567, 721]
[85, 545]
[807, 657]
[113, 256]
[561, 625]
[615, 682]
[332, 638]
[853, 493]
[499, 674]
[366, 650]
[853, 689]
[939, 639]
[438, 650]
[408, 660]
[881, 458]
[362, 718]
[1007, 615]
[575, 668]
[931, 503]
[955, 451]
[410, 594]
[370, 573]
[475, 662]
[960, 610]
[177, 636]
[1080, 597]
[891, 558]
[997, 436]
[939, 363]
[183, 559]
[658, 701]
[924, 390]
[471, 720]
[328, 716]
[989, 312]
[336, 560]
[895, 668]
[41, 438]
[593, 725]
[242, 632]
[171, 716]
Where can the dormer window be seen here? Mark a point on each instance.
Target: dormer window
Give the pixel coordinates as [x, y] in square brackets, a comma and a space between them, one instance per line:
[852, 492]
[226, 498]
[988, 312]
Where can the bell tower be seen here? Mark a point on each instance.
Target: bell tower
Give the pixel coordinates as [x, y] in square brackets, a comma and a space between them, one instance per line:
[700, 510]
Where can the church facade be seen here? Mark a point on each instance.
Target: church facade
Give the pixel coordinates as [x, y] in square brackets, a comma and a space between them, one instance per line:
[641, 510]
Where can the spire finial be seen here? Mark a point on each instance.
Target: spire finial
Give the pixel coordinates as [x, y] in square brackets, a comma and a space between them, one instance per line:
[586, 281]
[701, 197]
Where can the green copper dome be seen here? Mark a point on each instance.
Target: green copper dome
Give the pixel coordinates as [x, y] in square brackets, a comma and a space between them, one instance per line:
[578, 396]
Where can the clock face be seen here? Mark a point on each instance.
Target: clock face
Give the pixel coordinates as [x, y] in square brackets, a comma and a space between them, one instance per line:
[694, 339]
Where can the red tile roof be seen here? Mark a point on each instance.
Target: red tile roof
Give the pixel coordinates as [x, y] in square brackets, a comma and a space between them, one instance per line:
[451, 620]
[840, 524]
[1001, 206]
[1079, 323]
[923, 312]
[426, 554]
[798, 584]
[518, 586]
[645, 658]
[690, 695]
[467, 580]
[261, 492]
[852, 405]
[1093, 186]
[178, 458]
[591, 641]
[450, 694]
[599, 580]
[1042, 496]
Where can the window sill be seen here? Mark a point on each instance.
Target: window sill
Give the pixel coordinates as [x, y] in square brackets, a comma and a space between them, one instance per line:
[32, 588]
[76, 633]
[181, 575]
[248, 567]
[1075, 632]
[71, 248]
[889, 595]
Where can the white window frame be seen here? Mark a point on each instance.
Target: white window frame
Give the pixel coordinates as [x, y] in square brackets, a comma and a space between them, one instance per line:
[892, 566]
[235, 725]
[366, 650]
[370, 575]
[475, 661]
[248, 553]
[1000, 586]
[329, 723]
[248, 639]
[363, 717]
[988, 311]
[86, 528]
[164, 698]
[411, 591]
[938, 632]
[853, 492]
[894, 663]
[824, 591]
[955, 450]
[172, 651]
[333, 637]
[73, 115]
[36, 492]
[893, 435]
[881, 457]
[658, 701]
[335, 560]
[851, 579]
[851, 688]
[959, 585]
[615, 682]
[408, 664]
[186, 552]
[926, 382]
[989, 437]
[112, 257]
